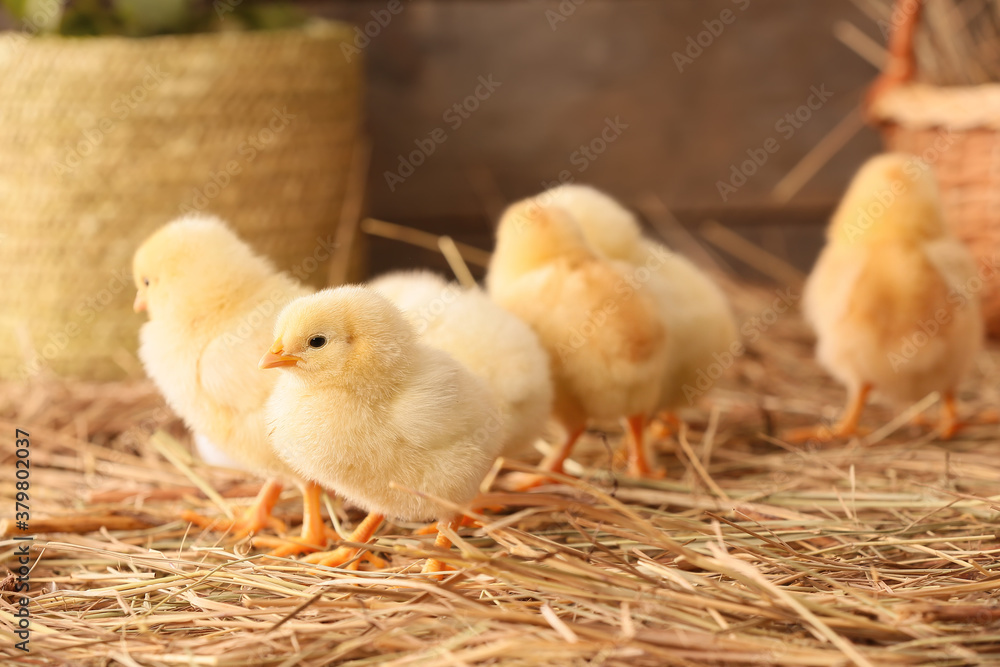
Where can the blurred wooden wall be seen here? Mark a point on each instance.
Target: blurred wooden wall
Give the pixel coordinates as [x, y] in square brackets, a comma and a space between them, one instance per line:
[564, 69]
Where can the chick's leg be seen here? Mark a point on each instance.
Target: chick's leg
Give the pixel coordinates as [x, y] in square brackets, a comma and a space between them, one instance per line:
[364, 532]
[639, 464]
[665, 423]
[313, 537]
[253, 520]
[845, 428]
[433, 565]
[553, 463]
[948, 423]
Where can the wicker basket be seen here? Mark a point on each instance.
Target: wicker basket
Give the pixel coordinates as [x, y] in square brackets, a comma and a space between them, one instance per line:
[956, 130]
[102, 140]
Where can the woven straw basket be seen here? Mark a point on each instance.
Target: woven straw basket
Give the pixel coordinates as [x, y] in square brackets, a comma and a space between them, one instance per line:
[102, 140]
[956, 130]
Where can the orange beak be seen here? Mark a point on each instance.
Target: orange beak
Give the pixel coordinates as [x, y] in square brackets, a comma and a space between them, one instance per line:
[139, 304]
[276, 357]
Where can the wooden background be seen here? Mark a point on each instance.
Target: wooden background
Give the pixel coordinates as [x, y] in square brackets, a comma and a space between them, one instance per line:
[561, 79]
[565, 68]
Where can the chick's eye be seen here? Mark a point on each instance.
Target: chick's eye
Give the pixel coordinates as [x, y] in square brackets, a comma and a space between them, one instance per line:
[317, 341]
[145, 281]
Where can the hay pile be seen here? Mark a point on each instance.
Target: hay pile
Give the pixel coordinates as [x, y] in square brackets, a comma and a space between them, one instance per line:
[754, 552]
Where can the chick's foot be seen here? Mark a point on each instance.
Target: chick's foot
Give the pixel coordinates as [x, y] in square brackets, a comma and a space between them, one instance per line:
[353, 556]
[665, 425]
[845, 428]
[314, 532]
[432, 528]
[949, 423]
[256, 518]
[521, 481]
[433, 566]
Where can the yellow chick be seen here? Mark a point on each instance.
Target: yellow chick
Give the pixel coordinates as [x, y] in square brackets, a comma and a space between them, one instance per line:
[699, 319]
[487, 340]
[889, 297]
[365, 408]
[212, 303]
[605, 333]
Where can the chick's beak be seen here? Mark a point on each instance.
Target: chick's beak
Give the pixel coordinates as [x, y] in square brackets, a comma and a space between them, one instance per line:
[276, 357]
[139, 304]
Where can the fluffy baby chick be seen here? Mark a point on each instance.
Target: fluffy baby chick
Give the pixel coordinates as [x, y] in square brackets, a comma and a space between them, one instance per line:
[697, 313]
[606, 334]
[365, 408]
[888, 297]
[487, 339]
[212, 303]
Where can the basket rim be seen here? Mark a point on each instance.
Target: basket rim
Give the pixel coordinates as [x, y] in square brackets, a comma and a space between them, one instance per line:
[925, 105]
[314, 28]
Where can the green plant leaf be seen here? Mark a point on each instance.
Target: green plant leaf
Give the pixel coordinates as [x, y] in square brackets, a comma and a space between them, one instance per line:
[151, 17]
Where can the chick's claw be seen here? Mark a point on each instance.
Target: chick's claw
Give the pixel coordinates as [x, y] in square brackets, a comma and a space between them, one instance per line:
[353, 556]
[251, 522]
[432, 528]
[821, 434]
[285, 547]
[435, 568]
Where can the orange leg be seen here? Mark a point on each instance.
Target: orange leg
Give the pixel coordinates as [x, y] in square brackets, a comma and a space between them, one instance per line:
[253, 520]
[433, 565]
[665, 424]
[432, 528]
[313, 536]
[558, 457]
[949, 423]
[638, 458]
[845, 428]
[553, 463]
[364, 532]
[478, 504]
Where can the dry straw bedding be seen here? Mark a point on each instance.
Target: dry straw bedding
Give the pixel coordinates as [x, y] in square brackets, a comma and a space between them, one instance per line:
[881, 551]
